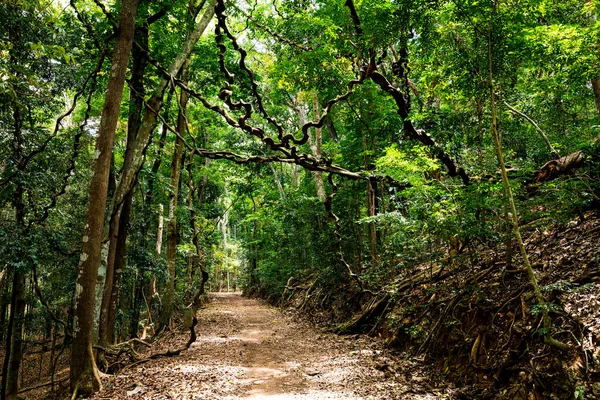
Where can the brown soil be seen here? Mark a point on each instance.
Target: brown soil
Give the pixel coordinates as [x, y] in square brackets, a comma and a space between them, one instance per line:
[249, 350]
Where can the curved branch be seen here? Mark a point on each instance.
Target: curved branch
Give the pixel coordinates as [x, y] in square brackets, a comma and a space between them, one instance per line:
[42, 299]
[76, 143]
[27, 159]
[537, 128]
[409, 129]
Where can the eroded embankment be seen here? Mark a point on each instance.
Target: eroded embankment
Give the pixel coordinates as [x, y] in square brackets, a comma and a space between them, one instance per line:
[476, 320]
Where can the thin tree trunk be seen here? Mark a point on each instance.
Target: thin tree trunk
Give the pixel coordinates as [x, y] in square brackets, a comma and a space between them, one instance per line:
[371, 205]
[195, 231]
[371, 212]
[83, 371]
[331, 128]
[12, 362]
[596, 89]
[294, 175]
[137, 302]
[158, 159]
[317, 151]
[479, 104]
[202, 194]
[169, 295]
[4, 300]
[315, 146]
[52, 348]
[278, 181]
[152, 283]
[188, 278]
[547, 322]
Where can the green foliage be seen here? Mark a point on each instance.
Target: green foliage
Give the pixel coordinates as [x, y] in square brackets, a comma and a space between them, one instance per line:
[261, 224]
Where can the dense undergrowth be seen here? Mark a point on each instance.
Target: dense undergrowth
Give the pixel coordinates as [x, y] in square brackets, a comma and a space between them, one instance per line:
[452, 289]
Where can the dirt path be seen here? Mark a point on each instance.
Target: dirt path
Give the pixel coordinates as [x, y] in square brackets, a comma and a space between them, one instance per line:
[249, 350]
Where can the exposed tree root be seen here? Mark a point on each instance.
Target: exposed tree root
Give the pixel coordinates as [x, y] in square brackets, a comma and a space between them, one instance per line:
[374, 310]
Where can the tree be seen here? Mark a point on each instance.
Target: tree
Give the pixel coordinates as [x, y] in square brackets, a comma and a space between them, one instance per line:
[83, 372]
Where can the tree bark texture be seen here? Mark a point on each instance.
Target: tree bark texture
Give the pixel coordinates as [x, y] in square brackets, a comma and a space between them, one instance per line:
[83, 371]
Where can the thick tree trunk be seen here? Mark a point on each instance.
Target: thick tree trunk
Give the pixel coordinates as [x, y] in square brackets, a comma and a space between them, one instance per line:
[83, 372]
[119, 220]
[169, 295]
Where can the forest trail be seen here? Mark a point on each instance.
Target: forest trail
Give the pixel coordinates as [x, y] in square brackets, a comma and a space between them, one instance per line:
[249, 350]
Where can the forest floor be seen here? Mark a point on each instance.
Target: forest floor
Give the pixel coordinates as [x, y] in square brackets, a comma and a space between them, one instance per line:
[247, 349]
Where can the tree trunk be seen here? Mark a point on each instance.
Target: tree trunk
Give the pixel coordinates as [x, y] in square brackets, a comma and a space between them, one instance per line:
[202, 194]
[136, 97]
[547, 322]
[317, 152]
[169, 295]
[479, 104]
[371, 212]
[152, 283]
[195, 231]
[315, 146]
[331, 128]
[119, 264]
[278, 181]
[100, 282]
[158, 159]
[14, 335]
[83, 371]
[137, 301]
[4, 299]
[119, 220]
[159, 237]
[154, 104]
[12, 361]
[596, 88]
